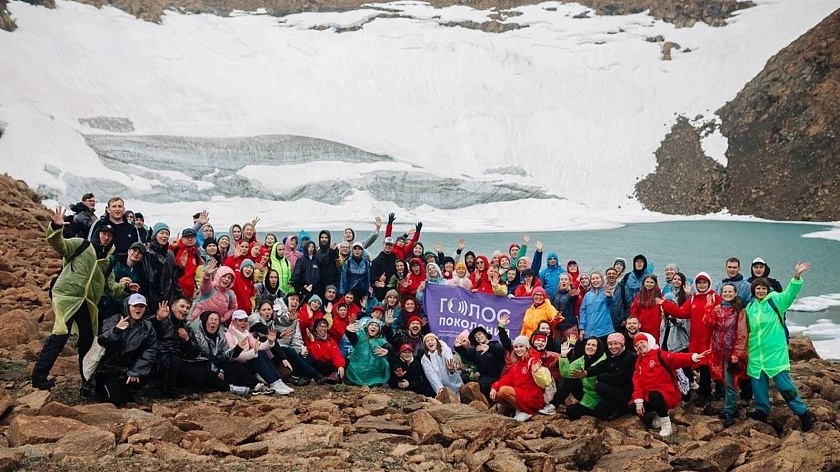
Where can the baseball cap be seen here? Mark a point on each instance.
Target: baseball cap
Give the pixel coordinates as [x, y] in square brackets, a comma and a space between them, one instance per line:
[406, 347]
[108, 227]
[359, 245]
[758, 260]
[389, 240]
[240, 315]
[188, 233]
[139, 246]
[137, 299]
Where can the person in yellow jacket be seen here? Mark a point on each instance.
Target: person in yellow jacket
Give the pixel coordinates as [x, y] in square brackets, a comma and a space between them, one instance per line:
[86, 275]
[540, 310]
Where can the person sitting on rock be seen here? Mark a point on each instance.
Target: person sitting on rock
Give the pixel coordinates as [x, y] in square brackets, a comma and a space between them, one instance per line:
[286, 350]
[131, 348]
[655, 389]
[407, 373]
[440, 367]
[488, 356]
[255, 355]
[541, 339]
[324, 354]
[174, 344]
[368, 364]
[217, 359]
[516, 388]
[412, 334]
[578, 385]
[76, 294]
[767, 355]
[614, 379]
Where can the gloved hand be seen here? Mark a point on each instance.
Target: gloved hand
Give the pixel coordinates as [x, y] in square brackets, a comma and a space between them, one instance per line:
[391, 218]
[419, 226]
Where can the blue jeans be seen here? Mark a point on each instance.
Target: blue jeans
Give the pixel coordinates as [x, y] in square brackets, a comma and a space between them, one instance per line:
[267, 370]
[346, 347]
[785, 386]
[730, 399]
[299, 365]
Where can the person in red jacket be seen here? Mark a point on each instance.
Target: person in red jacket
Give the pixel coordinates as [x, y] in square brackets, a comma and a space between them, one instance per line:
[414, 279]
[240, 254]
[309, 313]
[700, 335]
[324, 353]
[480, 278]
[243, 286]
[655, 389]
[403, 249]
[340, 319]
[188, 258]
[516, 387]
[645, 308]
[526, 288]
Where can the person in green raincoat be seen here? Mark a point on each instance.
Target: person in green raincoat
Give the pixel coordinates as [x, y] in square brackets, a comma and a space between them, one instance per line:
[77, 292]
[574, 372]
[282, 265]
[368, 365]
[767, 356]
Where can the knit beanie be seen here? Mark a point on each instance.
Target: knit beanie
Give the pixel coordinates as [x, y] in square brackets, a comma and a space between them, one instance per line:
[616, 337]
[208, 242]
[158, 227]
[522, 341]
[392, 292]
[414, 318]
[460, 264]
[640, 337]
[246, 263]
[315, 298]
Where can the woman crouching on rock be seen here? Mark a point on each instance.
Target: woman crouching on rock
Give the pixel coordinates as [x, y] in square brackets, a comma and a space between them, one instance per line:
[655, 389]
[517, 387]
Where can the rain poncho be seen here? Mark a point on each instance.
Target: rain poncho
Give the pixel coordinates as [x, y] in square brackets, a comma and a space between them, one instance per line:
[364, 367]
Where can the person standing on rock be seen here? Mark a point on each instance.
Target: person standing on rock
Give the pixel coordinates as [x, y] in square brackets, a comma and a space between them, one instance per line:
[655, 389]
[760, 269]
[734, 277]
[84, 217]
[767, 356]
[125, 233]
[76, 293]
[729, 338]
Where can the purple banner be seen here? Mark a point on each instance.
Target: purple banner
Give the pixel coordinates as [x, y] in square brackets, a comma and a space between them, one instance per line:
[451, 310]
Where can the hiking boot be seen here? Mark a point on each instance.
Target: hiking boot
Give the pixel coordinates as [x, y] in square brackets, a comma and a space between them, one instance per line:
[88, 389]
[298, 381]
[43, 383]
[727, 422]
[758, 415]
[807, 421]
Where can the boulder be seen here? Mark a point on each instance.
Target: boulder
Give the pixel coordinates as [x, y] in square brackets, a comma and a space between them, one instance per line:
[172, 453]
[9, 459]
[425, 428]
[654, 459]
[581, 453]
[801, 348]
[381, 425]
[471, 392]
[323, 405]
[448, 396]
[251, 450]
[6, 401]
[467, 421]
[91, 444]
[506, 461]
[41, 429]
[376, 403]
[233, 430]
[35, 400]
[717, 455]
[17, 327]
[815, 451]
[306, 437]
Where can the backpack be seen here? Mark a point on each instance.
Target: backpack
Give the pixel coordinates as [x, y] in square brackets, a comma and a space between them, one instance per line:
[82, 247]
[781, 318]
[680, 380]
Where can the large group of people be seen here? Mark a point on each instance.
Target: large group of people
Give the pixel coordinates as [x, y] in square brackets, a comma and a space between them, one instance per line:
[228, 311]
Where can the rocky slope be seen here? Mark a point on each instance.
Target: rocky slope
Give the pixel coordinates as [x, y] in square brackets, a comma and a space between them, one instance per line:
[347, 428]
[783, 130]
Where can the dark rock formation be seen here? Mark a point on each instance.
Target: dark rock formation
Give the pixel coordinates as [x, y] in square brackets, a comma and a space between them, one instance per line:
[784, 132]
[6, 21]
[686, 181]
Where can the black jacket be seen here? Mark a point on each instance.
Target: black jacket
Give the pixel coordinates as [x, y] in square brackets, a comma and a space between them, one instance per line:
[774, 284]
[161, 277]
[616, 370]
[82, 221]
[412, 372]
[489, 364]
[169, 343]
[565, 304]
[131, 351]
[326, 258]
[382, 264]
[125, 234]
[307, 272]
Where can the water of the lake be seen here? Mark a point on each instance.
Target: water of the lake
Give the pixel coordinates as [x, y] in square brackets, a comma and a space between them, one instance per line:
[695, 246]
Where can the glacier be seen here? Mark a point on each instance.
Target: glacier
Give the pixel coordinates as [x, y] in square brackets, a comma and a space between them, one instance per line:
[544, 127]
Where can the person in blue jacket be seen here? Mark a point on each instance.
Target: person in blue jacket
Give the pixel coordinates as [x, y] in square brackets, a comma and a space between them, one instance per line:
[734, 277]
[355, 272]
[550, 275]
[633, 280]
[595, 318]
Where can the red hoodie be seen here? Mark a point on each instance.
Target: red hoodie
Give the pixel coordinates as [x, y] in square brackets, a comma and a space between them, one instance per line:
[650, 375]
[402, 252]
[244, 289]
[187, 280]
[480, 280]
[306, 318]
[412, 281]
[694, 309]
[649, 317]
[529, 395]
[522, 291]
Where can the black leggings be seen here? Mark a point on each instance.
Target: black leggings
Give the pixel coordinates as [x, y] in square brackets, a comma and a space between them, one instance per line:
[177, 373]
[656, 404]
[568, 387]
[324, 368]
[614, 399]
[299, 365]
[54, 344]
[111, 387]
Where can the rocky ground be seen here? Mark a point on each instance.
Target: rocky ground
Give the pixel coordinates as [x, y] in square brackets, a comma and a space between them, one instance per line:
[783, 130]
[347, 428]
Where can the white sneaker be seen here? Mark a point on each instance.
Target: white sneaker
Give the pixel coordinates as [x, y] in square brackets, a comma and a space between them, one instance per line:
[548, 410]
[656, 421]
[521, 416]
[280, 388]
[666, 427]
[262, 389]
[239, 390]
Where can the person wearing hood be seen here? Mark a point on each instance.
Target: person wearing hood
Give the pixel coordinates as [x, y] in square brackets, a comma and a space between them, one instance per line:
[310, 312]
[460, 278]
[655, 389]
[415, 278]
[760, 269]
[160, 267]
[573, 270]
[355, 272]
[249, 232]
[306, 277]
[214, 358]
[131, 350]
[670, 271]
[734, 276]
[646, 309]
[564, 300]
[286, 320]
[224, 247]
[76, 293]
[469, 261]
[633, 279]
[614, 384]
[439, 366]
[548, 352]
[281, 264]
[448, 268]
[126, 269]
[400, 273]
[255, 355]
[204, 233]
[584, 387]
[209, 250]
[767, 355]
[174, 345]
[407, 373]
[188, 260]
[243, 286]
[235, 233]
[595, 318]
[478, 277]
[269, 289]
[327, 258]
[620, 265]
[408, 307]
[488, 356]
[516, 388]
[350, 234]
[528, 285]
[550, 275]
[433, 277]
[83, 218]
[215, 293]
[125, 234]
[538, 311]
[620, 307]
[728, 321]
[368, 365]
[700, 336]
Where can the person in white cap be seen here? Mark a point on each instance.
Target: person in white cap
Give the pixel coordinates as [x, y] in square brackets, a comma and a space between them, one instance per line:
[255, 355]
[760, 269]
[130, 344]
